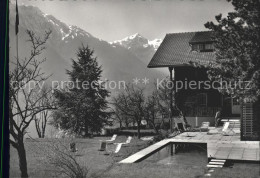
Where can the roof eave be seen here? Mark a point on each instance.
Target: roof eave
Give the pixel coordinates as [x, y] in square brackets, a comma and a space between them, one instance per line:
[163, 66]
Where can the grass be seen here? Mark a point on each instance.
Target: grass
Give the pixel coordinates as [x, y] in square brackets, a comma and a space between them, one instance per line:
[88, 155]
[106, 166]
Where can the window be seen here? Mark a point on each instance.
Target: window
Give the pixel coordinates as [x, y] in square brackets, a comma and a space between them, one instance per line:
[209, 46]
[190, 100]
[202, 99]
[195, 47]
[202, 47]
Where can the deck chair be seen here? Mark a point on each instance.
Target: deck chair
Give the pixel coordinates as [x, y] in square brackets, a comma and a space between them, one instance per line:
[118, 147]
[128, 140]
[180, 124]
[225, 126]
[103, 146]
[111, 140]
[226, 130]
[204, 126]
[180, 127]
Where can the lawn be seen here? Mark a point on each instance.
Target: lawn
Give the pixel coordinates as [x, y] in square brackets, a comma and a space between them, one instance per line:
[106, 166]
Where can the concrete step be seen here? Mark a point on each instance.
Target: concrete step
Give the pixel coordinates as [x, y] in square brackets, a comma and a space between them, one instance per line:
[217, 163]
[215, 166]
[218, 160]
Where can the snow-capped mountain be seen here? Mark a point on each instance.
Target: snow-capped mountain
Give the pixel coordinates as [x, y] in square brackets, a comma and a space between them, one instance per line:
[143, 48]
[67, 31]
[118, 63]
[137, 41]
[155, 43]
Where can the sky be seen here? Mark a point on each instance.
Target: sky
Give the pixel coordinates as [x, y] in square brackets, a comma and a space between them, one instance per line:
[115, 19]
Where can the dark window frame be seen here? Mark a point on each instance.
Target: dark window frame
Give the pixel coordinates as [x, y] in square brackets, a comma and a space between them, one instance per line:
[201, 47]
[204, 99]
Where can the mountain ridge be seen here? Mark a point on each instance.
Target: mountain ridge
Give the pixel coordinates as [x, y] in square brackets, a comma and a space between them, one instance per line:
[143, 48]
[144, 42]
[119, 63]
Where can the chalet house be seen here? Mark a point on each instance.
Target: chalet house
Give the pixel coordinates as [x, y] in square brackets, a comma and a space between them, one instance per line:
[177, 52]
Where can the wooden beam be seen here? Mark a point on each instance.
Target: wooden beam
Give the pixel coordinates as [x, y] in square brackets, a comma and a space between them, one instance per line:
[171, 101]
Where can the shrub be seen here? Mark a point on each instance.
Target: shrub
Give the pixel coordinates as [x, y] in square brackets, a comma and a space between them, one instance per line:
[65, 161]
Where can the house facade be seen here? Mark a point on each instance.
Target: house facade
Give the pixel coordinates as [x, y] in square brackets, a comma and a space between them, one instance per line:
[196, 96]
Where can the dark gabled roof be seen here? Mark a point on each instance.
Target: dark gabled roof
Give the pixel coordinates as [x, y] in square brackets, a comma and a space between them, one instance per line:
[175, 50]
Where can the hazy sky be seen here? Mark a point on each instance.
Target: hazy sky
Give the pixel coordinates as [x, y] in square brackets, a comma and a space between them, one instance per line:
[115, 19]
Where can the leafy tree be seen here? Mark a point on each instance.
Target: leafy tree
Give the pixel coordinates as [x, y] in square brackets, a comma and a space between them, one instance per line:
[82, 104]
[237, 50]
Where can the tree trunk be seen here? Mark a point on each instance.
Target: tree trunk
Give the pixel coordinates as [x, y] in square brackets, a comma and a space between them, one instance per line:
[44, 122]
[22, 159]
[86, 128]
[154, 127]
[126, 124]
[138, 130]
[153, 124]
[120, 125]
[40, 124]
[37, 128]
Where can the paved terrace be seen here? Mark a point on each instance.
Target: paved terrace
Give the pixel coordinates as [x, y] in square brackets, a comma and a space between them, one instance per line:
[218, 146]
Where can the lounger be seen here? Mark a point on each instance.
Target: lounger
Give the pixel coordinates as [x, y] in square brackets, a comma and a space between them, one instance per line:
[180, 127]
[117, 149]
[204, 126]
[111, 140]
[119, 146]
[225, 126]
[227, 131]
[128, 140]
[216, 131]
[103, 146]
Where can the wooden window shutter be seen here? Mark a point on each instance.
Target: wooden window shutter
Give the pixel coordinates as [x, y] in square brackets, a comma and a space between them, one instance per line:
[247, 120]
